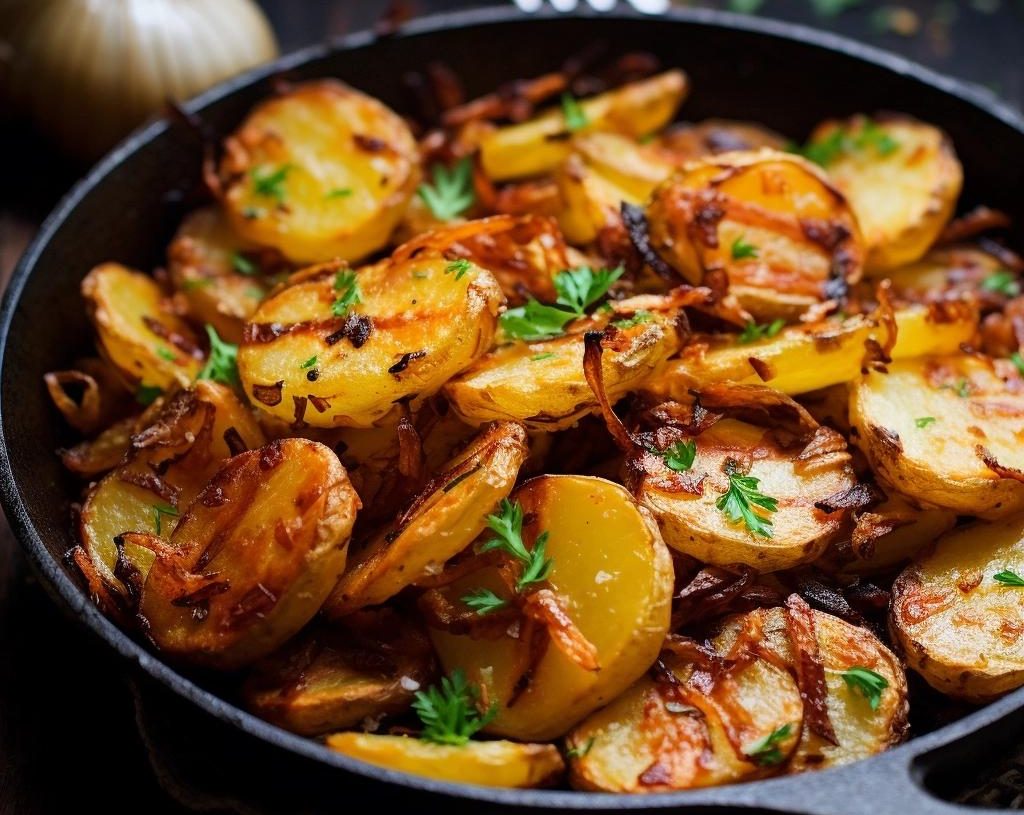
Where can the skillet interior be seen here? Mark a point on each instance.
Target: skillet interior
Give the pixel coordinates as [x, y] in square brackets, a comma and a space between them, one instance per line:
[126, 209]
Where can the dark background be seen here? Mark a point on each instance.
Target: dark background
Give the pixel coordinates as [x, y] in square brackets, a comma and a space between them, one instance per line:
[68, 734]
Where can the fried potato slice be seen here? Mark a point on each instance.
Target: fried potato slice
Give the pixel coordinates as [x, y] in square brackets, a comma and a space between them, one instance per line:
[542, 384]
[699, 727]
[902, 178]
[484, 763]
[860, 730]
[796, 476]
[149, 345]
[944, 430]
[893, 532]
[784, 235]
[686, 142]
[945, 272]
[958, 626]
[414, 326]
[334, 677]
[538, 146]
[321, 171]
[222, 276]
[438, 524]
[614, 575]
[253, 558]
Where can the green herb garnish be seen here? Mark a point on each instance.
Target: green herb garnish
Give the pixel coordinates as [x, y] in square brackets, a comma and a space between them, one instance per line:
[222, 363]
[765, 751]
[1008, 578]
[840, 141]
[638, 318]
[573, 113]
[741, 250]
[449, 713]
[241, 264]
[752, 332]
[309, 363]
[679, 456]
[346, 283]
[340, 192]
[1003, 282]
[165, 353]
[460, 267]
[535, 321]
[508, 527]
[742, 501]
[451, 193]
[867, 683]
[159, 511]
[484, 601]
[924, 421]
[580, 752]
[270, 183]
[580, 288]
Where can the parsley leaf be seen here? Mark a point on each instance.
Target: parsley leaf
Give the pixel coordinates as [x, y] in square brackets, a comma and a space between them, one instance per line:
[580, 288]
[449, 713]
[241, 264]
[867, 683]
[340, 192]
[1003, 282]
[159, 510]
[269, 183]
[765, 751]
[347, 285]
[961, 387]
[839, 141]
[573, 113]
[638, 318]
[484, 601]
[165, 353]
[743, 502]
[535, 321]
[752, 332]
[741, 250]
[222, 364]
[679, 456]
[1018, 362]
[1008, 578]
[460, 267]
[451, 193]
[581, 751]
[147, 394]
[309, 363]
[539, 357]
[508, 526]
[924, 421]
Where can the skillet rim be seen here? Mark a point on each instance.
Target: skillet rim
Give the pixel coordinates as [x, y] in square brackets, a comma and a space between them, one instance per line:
[904, 758]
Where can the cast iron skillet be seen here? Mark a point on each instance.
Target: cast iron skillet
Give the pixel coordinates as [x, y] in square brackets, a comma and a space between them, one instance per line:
[785, 76]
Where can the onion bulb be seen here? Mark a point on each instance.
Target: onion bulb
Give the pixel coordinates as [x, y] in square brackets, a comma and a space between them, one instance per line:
[87, 71]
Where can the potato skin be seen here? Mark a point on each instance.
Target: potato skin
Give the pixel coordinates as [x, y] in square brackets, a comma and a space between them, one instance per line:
[350, 167]
[618, 597]
[253, 558]
[942, 463]
[416, 326]
[957, 626]
[483, 763]
[903, 198]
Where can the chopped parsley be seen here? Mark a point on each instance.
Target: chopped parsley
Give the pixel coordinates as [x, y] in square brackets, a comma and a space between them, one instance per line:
[1003, 282]
[222, 363]
[159, 511]
[742, 501]
[269, 183]
[165, 353]
[924, 421]
[741, 250]
[241, 264]
[460, 267]
[1018, 362]
[340, 192]
[539, 357]
[580, 288]
[581, 751]
[309, 363]
[573, 113]
[867, 683]
[347, 286]
[449, 712]
[147, 394]
[840, 141]
[752, 332]
[961, 387]
[535, 321]
[679, 456]
[484, 601]
[1008, 578]
[451, 192]
[641, 316]
[507, 526]
[765, 751]
[194, 283]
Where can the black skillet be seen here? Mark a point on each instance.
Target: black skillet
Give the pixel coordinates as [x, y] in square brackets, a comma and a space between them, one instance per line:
[783, 75]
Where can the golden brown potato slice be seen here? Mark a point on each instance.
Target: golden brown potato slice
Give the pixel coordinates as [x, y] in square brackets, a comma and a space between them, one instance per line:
[944, 431]
[902, 178]
[335, 677]
[591, 201]
[341, 348]
[947, 271]
[319, 172]
[957, 611]
[735, 717]
[613, 574]
[691, 506]
[221, 276]
[150, 346]
[484, 763]
[861, 727]
[893, 532]
[439, 523]
[634, 167]
[542, 384]
[785, 237]
[686, 142]
[253, 558]
[540, 144]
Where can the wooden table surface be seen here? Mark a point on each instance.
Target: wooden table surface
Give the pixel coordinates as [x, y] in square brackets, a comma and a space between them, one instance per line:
[68, 735]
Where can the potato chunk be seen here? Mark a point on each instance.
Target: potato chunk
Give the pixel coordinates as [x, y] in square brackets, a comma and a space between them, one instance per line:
[484, 763]
[860, 730]
[945, 431]
[686, 504]
[960, 627]
[439, 523]
[149, 346]
[686, 142]
[785, 237]
[319, 172]
[902, 178]
[614, 575]
[536, 146]
[334, 677]
[253, 558]
[700, 729]
[414, 326]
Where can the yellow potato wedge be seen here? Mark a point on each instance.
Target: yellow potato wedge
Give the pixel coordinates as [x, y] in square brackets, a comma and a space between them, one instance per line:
[686, 504]
[590, 200]
[944, 272]
[439, 523]
[538, 146]
[542, 384]
[860, 729]
[631, 166]
[149, 346]
[253, 558]
[335, 677]
[221, 276]
[321, 171]
[958, 626]
[686, 142]
[614, 575]
[700, 729]
[945, 431]
[893, 532]
[414, 326]
[771, 221]
[902, 178]
[484, 763]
